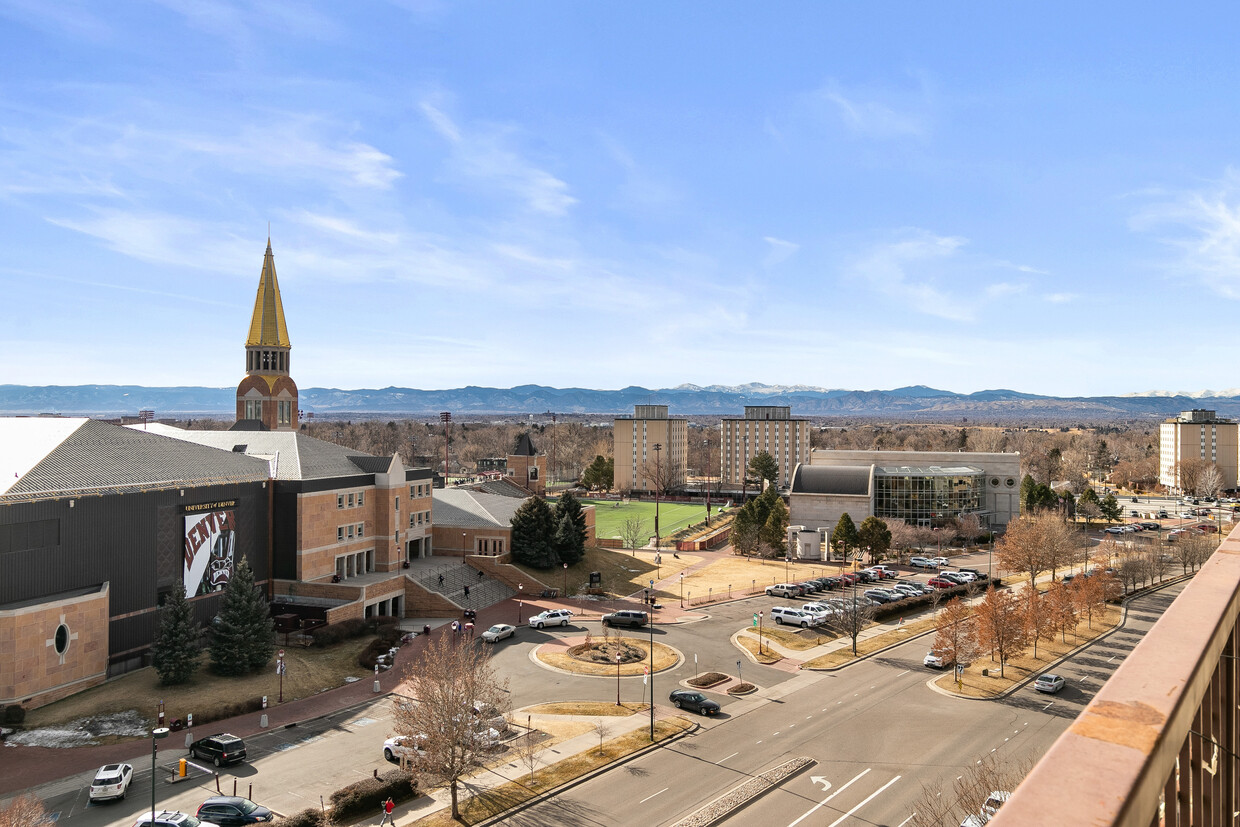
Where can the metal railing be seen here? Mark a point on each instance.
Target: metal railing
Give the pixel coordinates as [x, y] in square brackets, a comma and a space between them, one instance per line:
[1158, 744]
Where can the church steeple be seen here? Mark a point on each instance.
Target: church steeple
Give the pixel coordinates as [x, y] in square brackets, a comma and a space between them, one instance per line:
[268, 394]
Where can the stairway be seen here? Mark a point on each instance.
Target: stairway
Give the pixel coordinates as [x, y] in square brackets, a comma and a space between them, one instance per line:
[483, 592]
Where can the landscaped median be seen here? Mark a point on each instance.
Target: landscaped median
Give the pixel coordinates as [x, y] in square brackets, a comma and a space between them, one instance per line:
[491, 802]
[973, 684]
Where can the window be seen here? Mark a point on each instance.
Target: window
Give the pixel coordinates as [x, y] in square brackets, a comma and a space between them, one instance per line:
[411, 516]
[411, 488]
[340, 501]
[284, 413]
[397, 503]
[253, 409]
[360, 527]
[339, 534]
[360, 499]
[350, 532]
[351, 500]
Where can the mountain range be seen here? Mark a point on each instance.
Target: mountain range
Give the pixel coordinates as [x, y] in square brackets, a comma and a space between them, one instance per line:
[913, 403]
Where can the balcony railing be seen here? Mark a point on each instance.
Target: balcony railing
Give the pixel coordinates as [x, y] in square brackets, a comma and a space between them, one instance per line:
[1158, 744]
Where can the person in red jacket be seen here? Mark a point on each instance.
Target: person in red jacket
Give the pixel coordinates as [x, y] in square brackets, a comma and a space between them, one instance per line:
[388, 806]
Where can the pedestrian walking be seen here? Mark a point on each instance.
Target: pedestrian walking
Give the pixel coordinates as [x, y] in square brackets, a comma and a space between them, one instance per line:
[467, 592]
[441, 580]
[456, 627]
[479, 574]
[469, 629]
[388, 806]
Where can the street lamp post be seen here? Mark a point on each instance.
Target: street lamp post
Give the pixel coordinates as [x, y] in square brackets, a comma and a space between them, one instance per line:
[745, 470]
[156, 735]
[617, 679]
[706, 442]
[464, 547]
[520, 591]
[566, 579]
[759, 633]
[652, 663]
[658, 449]
[682, 590]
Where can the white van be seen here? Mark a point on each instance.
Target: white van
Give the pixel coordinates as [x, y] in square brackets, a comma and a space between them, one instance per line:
[795, 617]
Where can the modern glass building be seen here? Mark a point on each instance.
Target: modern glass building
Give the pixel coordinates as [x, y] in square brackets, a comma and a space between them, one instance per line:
[927, 495]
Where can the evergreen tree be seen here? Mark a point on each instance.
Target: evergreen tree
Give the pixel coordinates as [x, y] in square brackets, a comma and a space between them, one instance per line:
[774, 534]
[845, 535]
[764, 467]
[599, 474]
[175, 652]
[1111, 509]
[573, 545]
[242, 633]
[876, 536]
[533, 530]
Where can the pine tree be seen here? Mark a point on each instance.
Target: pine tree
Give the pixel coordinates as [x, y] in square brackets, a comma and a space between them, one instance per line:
[175, 652]
[242, 634]
[573, 545]
[533, 529]
[876, 536]
[845, 535]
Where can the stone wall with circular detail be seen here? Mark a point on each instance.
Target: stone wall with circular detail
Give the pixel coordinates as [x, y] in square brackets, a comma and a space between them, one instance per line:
[50, 650]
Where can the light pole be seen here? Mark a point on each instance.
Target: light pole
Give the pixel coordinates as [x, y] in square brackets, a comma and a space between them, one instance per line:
[759, 633]
[652, 662]
[156, 735]
[520, 591]
[566, 579]
[617, 679]
[682, 590]
[706, 442]
[657, 477]
[464, 547]
[745, 469]
[446, 418]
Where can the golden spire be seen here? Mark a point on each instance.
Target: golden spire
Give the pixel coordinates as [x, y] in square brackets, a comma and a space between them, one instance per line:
[267, 326]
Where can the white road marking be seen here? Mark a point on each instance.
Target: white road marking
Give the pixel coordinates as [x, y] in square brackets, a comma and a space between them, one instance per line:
[905, 672]
[733, 755]
[907, 820]
[660, 792]
[871, 797]
[1048, 706]
[828, 798]
[1113, 657]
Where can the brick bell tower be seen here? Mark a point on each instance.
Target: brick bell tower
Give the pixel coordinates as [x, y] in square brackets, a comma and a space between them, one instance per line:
[267, 393]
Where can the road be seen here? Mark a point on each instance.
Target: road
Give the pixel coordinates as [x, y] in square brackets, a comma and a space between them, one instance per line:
[876, 731]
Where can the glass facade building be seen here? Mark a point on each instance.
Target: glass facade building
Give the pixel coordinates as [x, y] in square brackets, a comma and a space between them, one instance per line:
[929, 495]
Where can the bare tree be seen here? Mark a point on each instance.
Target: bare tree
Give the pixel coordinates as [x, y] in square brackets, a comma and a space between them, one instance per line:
[1039, 618]
[1022, 547]
[1090, 597]
[940, 806]
[451, 679]
[601, 729]
[955, 633]
[633, 533]
[24, 811]
[1211, 481]
[1001, 625]
[904, 538]
[851, 617]
[1062, 608]
[969, 527]
[1190, 473]
[1191, 550]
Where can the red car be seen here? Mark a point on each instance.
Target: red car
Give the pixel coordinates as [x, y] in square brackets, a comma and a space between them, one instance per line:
[849, 579]
[940, 583]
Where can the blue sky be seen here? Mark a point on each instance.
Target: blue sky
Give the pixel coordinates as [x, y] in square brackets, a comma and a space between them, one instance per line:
[1035, 196]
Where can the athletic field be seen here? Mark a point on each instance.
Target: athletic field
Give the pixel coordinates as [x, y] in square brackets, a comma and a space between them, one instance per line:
[609, 516]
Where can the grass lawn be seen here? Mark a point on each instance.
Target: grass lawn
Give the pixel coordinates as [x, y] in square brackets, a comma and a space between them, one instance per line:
[609, 516]
[488, 803]
[310, 671]
[1017, 669]
[623, 572]
[766, 655]
[797, 641]
[583, 708]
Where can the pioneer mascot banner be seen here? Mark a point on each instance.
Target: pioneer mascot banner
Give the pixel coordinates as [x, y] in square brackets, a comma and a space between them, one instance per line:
[210, 540]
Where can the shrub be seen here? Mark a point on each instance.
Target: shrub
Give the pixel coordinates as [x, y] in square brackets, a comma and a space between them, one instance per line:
[309, 817]
[14, 714]
[227, 710]
[365, 797]
[335, 632]
[707, 679]
[370, 655]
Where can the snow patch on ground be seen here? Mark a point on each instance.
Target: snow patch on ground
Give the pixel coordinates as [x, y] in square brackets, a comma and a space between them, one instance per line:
[83, 732]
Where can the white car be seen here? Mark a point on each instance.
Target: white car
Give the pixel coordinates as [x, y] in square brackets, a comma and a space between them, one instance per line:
[111, 782]
[172, 819]
[922, 563]
[911, 589]
[796, 617]
[498, 632]
[402, 746]
[551, 617]
[816, 611]
[934, 660]
[940, 561]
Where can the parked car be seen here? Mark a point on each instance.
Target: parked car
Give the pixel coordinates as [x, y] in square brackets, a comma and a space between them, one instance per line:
[1150, 526]
[834, 582]
[1162, 515]
[881, 596]
[911, 589]
[954, 577]
[498, 632]
[940, 561]
[229, 810]
[172, 819]
[625, 617]
[1048, 683]
[888, 571]
[111, 782]
[978, 574]
[694, 700]
[849, 579]
[941, 583]
[922, 563]
[817, 612]
[400, 746]
[783, 590]
[219, 750]
[934, 660]
[793, 616]
[808, 587]
[551, 617]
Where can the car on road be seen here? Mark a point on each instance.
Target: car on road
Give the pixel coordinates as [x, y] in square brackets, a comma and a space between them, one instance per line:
[934, 660]
[218, 749]
[792, 616]
[172, 819]
[783, 590]
[1048, 683]
[111, 782]
[230, 810]
[941, 583]
[626, 617]
[400, 746]
[551, 617]
[694, 700]
[498, 632]
[922, 563]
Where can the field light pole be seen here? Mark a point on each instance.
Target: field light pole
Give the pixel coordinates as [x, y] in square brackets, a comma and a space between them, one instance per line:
[652, 661]
[709, 468]
[658, 448]
[520, 591]
[156, 735]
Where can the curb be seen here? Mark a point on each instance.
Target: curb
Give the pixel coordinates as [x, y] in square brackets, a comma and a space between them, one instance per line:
[581, 779]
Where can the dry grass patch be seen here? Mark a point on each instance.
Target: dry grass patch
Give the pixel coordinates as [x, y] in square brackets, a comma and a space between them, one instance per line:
[582, 708]
[310, 671]
[740, 576]
[665, 657]
[798, 640]
[870, 645]
[1018, 669]
[485, 804]
[623, 572]
[766, 655]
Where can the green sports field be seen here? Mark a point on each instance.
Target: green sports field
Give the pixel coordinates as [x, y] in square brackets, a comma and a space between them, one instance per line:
[609, 515]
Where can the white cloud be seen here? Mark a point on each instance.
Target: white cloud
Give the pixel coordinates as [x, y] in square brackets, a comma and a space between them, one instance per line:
[1203, 227]
[780, 250]
[865, 112]
[1060, 298]
[481, 156]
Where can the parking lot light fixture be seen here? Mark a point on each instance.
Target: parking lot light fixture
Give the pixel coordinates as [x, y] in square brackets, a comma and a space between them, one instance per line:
[651, 627]
[156, 735]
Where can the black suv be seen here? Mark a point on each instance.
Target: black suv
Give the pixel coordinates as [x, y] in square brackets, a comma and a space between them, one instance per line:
[625, 617]
[219, 749]
[229, 810]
